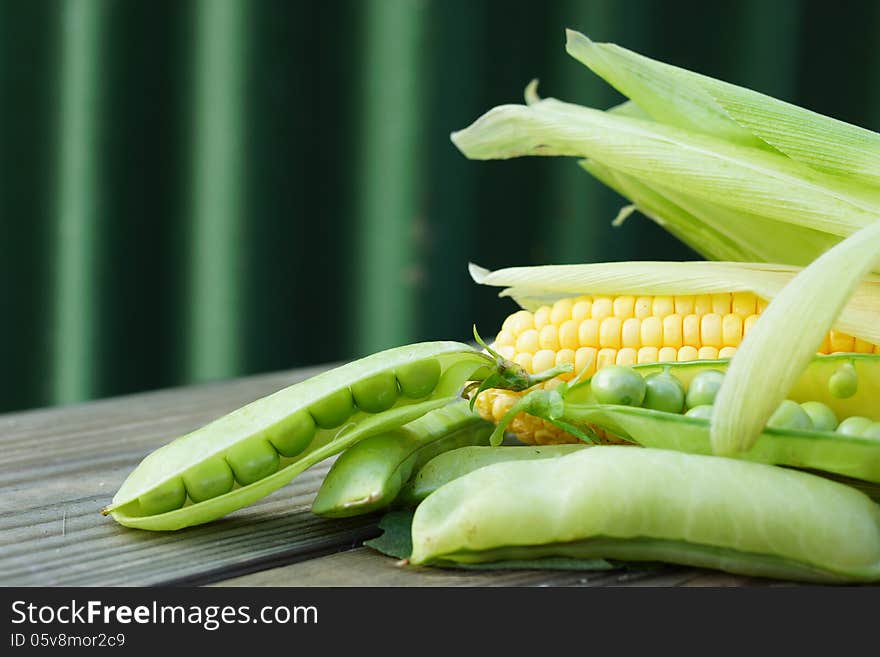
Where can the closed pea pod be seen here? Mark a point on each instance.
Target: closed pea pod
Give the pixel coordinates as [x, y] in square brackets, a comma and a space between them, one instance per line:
[654, 505]
[369, 476]
[456, 463]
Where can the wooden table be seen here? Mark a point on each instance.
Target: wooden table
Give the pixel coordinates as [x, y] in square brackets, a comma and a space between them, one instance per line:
[60, 466]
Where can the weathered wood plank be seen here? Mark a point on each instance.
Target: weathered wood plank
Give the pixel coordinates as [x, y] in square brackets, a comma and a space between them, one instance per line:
[365, 567]
[62, 465]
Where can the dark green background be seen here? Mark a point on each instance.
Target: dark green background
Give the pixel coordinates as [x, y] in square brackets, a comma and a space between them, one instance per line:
[198, 190]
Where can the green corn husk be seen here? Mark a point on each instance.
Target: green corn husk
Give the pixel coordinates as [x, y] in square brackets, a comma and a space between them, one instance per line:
[738, 176]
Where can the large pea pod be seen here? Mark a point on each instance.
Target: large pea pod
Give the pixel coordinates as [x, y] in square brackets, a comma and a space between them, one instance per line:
[618, 502]
[456, 463]
[833, 452]
[368, 476]
[245, 455]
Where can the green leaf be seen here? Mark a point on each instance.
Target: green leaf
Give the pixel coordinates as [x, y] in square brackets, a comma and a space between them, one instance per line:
[778, 348]
[730, 175]
[686, 99]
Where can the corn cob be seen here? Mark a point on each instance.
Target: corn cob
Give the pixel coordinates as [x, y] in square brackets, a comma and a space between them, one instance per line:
[591, 332]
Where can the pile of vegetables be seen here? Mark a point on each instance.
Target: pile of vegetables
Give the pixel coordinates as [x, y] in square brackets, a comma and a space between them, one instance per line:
[742, 392]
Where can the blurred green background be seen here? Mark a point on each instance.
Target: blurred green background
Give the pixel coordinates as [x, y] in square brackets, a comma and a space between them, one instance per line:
[191, 191]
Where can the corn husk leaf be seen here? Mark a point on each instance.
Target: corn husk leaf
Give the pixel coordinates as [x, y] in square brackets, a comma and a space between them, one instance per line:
[775, 352]
[717, 232]
[682, 98]
[532, 287]
[730, 175]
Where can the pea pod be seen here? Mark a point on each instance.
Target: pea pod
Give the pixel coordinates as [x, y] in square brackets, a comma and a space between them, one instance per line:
[848, 455]
[456, 463]
[369, 475]
[617, 502]
[247, 454]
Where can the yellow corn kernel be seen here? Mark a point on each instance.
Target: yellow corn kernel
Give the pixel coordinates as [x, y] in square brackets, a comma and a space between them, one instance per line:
[643, 306]
[761, 305]
[687, 352]
[542, 317]
[564, 356]
[690, 330]
[702, 304]
[568, 335]
[862, 346]
[663, 306]
[825, 348]
[623, 307]
[561, 311]
[543, 360]
[672, 326]
[588, 333]
[731, 330]
[744, 304]
[500, 405]
[507, 351]
[605, 357]
[707, 353]
[602, 308]
[648, 355]
[630, 333]
[548, 338]
[527, 342]
[504, 338]
[652, 332]
[609, 332]
[667, 354]
[726, 352]
[721, 303]
[519, 322]
[710, 330]
[626, 356]
[582, 309]
[684, 304]
[524, 360]
[749, 323]
[841, 341]
[586, 357]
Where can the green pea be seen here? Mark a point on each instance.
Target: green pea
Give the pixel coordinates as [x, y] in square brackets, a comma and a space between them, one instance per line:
[208, 479]
[873, 431]
[854, 425]
[252, 461]
[821, 415]
[664, 392]
[703, 412]
[293, 434]
[375, 394]
[617, 384]
[419, 378]
[790, 415]
[844, 382]
[166, 497]
[333, 410]
[704, 388]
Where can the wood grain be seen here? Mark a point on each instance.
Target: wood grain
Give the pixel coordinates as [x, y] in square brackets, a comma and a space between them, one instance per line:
[62, 465]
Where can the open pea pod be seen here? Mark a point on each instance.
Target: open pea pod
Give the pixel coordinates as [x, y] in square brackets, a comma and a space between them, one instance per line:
[247, 454]
[851, 456]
